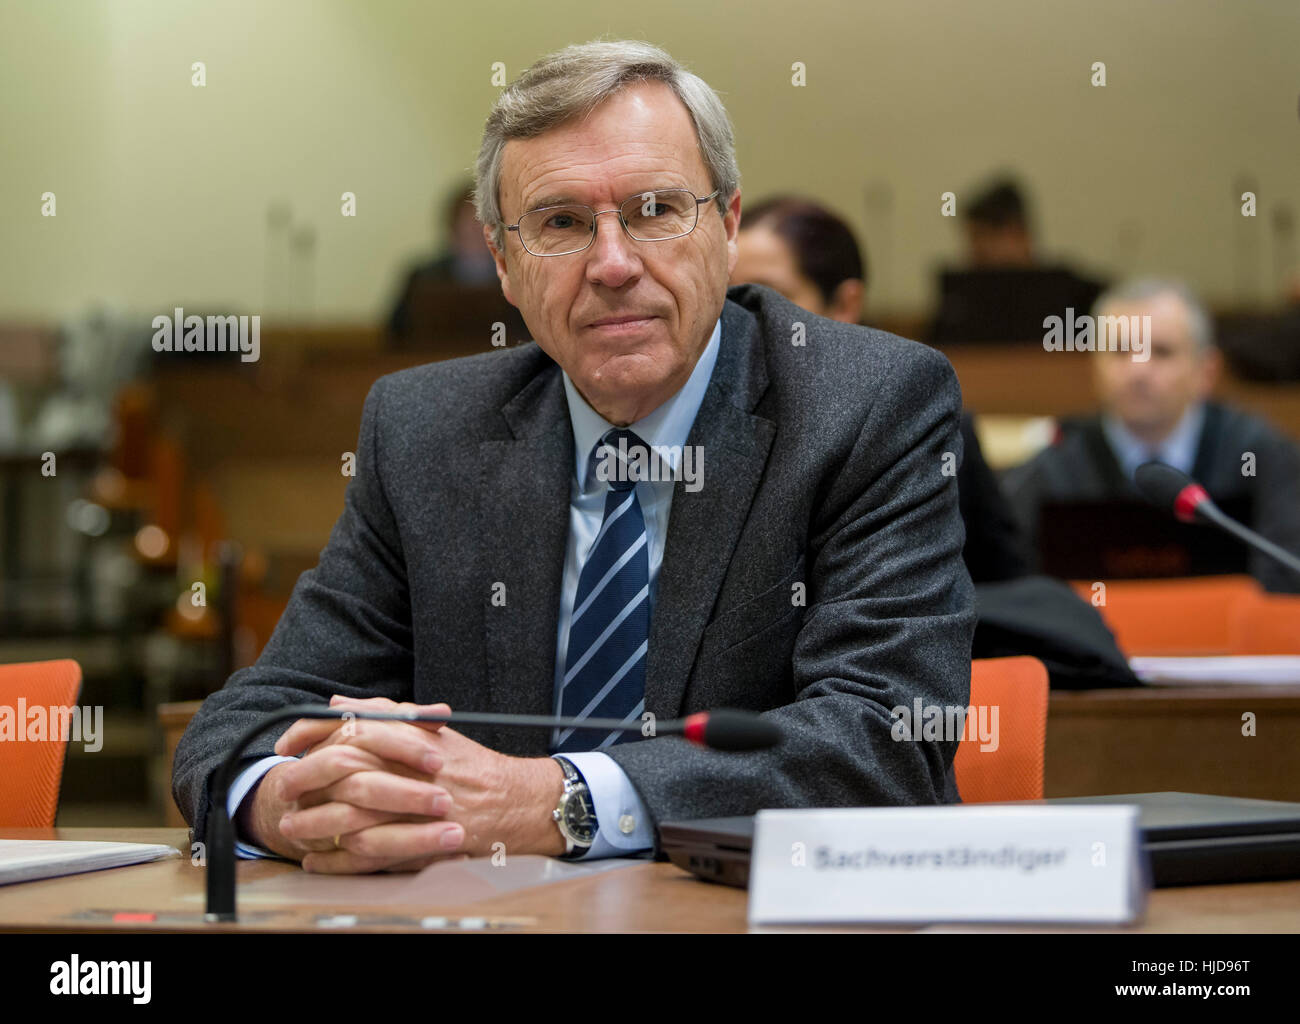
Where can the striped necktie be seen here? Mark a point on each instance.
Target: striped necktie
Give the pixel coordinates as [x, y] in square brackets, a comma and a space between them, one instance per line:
[609, 631]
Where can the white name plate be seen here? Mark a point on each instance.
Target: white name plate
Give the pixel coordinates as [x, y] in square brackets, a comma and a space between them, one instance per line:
[971, 862]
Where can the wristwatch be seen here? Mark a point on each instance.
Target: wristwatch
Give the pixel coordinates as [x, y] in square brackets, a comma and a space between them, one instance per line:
[575, 815]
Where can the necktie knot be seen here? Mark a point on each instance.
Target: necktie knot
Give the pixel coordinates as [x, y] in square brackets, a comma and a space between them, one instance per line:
[622, 459]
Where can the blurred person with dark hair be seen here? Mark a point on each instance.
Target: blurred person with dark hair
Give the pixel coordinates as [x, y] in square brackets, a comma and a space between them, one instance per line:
[1004, 291]
[465, 258]
[804, 251]
[997, 228]
[1159, 409]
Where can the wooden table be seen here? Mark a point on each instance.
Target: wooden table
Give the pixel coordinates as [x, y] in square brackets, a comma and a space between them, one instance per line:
[645, 897]
[1185, 739]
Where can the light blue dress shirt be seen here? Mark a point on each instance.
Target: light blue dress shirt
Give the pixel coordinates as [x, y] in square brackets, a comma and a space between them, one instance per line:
[625, 826]
[1177, 450]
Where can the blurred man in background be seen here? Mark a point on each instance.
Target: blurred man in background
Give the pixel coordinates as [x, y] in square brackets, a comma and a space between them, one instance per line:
[1160, 409]
[464, 260]
[1004, 290]
[997, 228]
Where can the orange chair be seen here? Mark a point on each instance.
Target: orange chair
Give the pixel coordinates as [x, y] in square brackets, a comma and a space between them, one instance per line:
[1265, 624]
[1017, 687]
[32, 769]
[1188, 616]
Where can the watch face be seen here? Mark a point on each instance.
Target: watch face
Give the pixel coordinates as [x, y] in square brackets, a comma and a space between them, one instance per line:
[577, 822]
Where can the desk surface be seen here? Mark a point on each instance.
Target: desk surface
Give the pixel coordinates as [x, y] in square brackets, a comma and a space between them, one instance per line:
[644, 897]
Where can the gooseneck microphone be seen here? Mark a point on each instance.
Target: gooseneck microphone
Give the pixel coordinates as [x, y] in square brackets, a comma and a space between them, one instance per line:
[1173, 489]
[720, 729]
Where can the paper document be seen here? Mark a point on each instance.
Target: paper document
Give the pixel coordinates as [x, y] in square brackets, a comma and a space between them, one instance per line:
[22, 860]
[1256, 669]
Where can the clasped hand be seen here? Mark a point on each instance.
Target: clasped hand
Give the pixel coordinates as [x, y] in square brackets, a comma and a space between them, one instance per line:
[396, 796]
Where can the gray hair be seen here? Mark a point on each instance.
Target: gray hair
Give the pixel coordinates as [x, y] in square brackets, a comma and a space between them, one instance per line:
[1142, 289]
[574, 81]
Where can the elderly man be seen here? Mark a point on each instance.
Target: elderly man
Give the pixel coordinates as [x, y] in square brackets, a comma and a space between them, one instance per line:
[1156, 407]
[808, 567]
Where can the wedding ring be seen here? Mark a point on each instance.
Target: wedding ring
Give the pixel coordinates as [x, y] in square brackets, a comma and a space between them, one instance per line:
[337, 844]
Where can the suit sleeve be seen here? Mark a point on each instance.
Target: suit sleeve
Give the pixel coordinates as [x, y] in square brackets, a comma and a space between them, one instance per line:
[347, 629]
[889, 620]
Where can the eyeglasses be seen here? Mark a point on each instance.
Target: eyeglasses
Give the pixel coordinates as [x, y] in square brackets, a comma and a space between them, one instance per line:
[646, 217]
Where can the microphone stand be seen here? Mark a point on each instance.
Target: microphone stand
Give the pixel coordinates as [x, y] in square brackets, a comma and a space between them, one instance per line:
[1214, 514]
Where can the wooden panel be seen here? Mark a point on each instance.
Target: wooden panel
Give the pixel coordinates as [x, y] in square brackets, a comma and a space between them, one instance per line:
[1181, 739]
[281, 505]
[174, 718]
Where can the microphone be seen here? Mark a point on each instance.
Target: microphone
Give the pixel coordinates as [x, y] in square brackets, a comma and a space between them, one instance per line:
[720, 729]
[1173, 489]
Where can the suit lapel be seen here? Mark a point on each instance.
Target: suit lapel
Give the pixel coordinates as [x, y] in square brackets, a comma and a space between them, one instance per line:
[704, 525]
[524, 516]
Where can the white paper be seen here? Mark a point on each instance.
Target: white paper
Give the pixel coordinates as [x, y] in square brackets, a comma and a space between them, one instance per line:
[22, 860]
[1249, 670]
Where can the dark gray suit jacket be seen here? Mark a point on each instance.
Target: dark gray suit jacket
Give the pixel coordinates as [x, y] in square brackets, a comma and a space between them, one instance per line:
[823, 464]
[1081, 466]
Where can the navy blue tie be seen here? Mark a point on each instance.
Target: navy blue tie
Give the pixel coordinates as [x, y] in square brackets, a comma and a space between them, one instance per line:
[609, 631]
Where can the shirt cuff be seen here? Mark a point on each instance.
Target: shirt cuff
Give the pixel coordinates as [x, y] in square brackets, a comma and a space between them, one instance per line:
[242, 786]
[617, 807]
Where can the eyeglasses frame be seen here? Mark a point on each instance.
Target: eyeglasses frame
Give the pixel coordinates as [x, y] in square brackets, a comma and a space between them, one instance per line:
[699, 201]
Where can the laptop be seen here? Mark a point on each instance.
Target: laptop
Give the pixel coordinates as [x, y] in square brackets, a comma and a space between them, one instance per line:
[1006, 304]
[1124, 538]
[1191, 838]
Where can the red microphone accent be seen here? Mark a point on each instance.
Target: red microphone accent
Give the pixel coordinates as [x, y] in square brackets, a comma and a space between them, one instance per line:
[694, 728]
[1188, 499]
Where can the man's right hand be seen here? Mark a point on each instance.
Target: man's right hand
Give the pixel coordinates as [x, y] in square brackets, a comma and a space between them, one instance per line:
[379, 773]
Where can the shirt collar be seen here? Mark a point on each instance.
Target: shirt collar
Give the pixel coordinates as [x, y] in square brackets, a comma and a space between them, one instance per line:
[669, 425]
[1177, 450]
